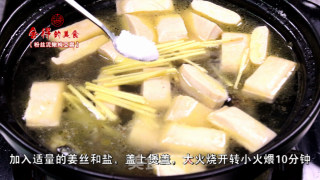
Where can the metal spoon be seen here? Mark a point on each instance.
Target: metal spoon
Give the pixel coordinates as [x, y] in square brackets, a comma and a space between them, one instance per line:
[113, 38]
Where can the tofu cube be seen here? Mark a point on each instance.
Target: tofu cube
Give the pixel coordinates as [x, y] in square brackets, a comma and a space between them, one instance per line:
[188, 139]
[144, 133]
[200, 28]
[87, 47]
[135, 6]
[45, 104]
[241, 127]
[108, 50]
[179, 168]
[232, 52]
[202, 87]
[85, 29]
[157, 91]
[216, 12]
[189, 111]
[171, 28]
[139, 26]
[266, 82]
[259, 45]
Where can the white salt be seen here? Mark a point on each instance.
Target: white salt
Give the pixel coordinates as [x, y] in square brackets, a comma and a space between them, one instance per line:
[136, 47]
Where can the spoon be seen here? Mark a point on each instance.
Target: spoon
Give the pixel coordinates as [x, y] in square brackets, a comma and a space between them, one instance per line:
[127, 44]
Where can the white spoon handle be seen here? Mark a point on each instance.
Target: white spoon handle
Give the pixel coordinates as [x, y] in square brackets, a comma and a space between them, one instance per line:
[91, 17]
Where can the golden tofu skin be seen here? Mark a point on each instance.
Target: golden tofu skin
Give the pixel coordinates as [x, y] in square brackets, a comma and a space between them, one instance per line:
[243, 128]
[179, 168]
[216, 12]
[136, 6]
[145, 128]
[188, 139]
[139, 26]
[266, 82]
[232, 52]
[202, 87]
[201, 28]
[45, 104]
[108, 50]
[157, 91]
[189, 111]
[259, 45]
[71, 55]
[171, 28]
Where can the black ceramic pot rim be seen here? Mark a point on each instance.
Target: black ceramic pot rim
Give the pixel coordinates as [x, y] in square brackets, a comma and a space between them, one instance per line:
[276, 146]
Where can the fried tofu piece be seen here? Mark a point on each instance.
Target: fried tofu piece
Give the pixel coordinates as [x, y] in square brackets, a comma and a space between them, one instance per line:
[87, 47]
[232, 52]
[108, 50]
[189, 111]
[157, 91]
[259, 45]
[85, 29]
[188, 139]
[243, 128]
[171, 28]
[139, 26]
[179, 168]
[266, 82]
[216, 12]
[202, 87]
[135, 6]
[45, 104]
[144, 133]
[200, 28]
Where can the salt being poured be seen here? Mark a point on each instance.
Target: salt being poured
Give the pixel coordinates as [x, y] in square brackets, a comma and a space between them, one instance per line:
[136, 47]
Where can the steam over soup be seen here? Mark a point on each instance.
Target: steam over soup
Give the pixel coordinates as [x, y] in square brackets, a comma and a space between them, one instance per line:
[223, 84]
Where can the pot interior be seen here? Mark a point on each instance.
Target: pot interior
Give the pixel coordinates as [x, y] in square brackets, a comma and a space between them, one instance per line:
[288, 114]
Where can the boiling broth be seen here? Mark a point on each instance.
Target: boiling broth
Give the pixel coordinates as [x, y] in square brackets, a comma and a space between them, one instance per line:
[85, 135]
